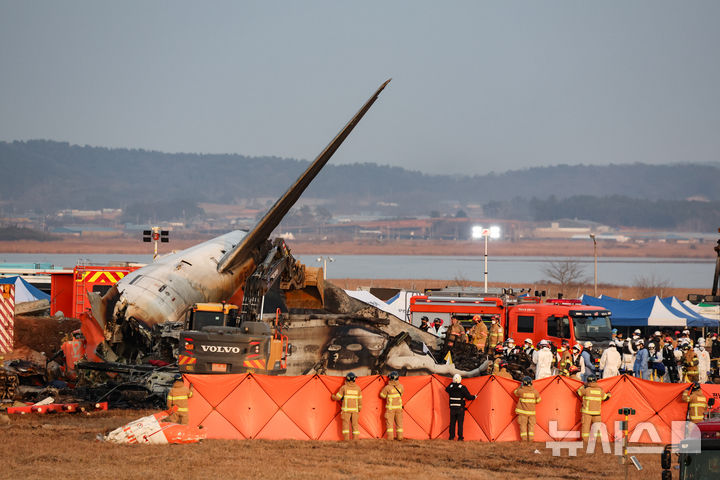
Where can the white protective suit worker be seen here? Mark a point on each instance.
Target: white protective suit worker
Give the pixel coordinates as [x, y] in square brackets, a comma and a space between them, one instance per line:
[703, 361]
[543, 359]
[610, 361]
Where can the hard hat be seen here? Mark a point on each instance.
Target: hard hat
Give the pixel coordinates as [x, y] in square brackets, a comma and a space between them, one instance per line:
[528, 340]
[714, 335]
[498, 348]
[577, 348]
[587, 344]
[668, 339]
[565, 343]
[677, 332]
[701, 341]
[510, 340]
[439, 321]
[685, 346]
[477, 318]
[350, 377]
[686, 332]
[651, 346]
[614, 330]
[543, 342]
[526, 381]
[637, 331]
[591, 378]
[657, 333]
[177, 377]
[612, 344]
[394, 375]
[457, 378]
[641, 341]
[425, 318]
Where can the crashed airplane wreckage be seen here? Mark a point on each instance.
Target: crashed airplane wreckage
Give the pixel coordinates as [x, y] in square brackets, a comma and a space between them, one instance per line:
[147, 316]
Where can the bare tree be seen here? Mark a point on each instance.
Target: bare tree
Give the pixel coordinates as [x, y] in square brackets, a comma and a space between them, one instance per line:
[566, 273]
[462, 281]
[649, 285]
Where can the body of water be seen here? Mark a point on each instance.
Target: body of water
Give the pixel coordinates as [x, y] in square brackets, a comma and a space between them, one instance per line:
[677, 272]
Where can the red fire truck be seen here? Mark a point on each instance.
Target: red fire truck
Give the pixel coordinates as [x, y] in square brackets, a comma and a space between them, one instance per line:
[521, 317]
[69, 288]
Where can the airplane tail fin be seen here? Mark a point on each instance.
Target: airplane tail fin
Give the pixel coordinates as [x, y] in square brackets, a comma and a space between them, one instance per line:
[243, 251]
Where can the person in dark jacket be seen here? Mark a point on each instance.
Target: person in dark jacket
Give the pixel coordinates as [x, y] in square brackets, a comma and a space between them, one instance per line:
[458, 394]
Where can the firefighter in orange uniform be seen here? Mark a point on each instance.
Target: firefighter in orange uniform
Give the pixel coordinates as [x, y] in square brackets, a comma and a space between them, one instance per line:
[454, 332]
[592, 396]
[178, 397]
[479, 333]
[690, 363]
[697, 402]
[497, 335]
[528, 397]
[351, 397]
[392, 393]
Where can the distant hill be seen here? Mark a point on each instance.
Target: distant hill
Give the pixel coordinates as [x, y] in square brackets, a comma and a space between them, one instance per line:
[48, 175]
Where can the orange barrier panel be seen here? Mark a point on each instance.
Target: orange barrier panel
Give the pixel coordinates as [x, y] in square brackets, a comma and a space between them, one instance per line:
[280, 407]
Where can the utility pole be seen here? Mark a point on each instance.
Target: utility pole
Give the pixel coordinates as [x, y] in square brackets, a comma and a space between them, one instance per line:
[592, 235]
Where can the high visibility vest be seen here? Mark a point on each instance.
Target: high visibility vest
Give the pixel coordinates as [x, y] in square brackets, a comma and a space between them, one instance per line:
[178, 396]
[351, 397]
[527, 398]
[592, 398]
[392, 393]
[697, 407]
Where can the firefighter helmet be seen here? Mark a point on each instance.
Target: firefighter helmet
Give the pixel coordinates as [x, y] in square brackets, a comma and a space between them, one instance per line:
[527, 381]
[350, 377]
[591, 378]
[394, 375]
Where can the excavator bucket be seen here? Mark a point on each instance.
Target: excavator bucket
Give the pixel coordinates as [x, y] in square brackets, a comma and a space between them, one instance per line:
[312, 294]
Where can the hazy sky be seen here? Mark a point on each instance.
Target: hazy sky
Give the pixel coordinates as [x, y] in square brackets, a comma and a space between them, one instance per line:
[477, 86]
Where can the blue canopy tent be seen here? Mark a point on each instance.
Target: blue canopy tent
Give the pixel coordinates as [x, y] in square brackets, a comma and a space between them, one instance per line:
[648, 312]
[694, 319]
[24, 292]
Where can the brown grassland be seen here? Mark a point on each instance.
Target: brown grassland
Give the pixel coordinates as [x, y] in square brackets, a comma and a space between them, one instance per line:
[549, 248]
[64, 446]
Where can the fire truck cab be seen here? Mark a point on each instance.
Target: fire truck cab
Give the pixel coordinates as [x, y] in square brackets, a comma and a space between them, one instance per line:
[559, 320]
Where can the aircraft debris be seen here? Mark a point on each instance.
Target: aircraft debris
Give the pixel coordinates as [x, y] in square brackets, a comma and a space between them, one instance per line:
[154, 429]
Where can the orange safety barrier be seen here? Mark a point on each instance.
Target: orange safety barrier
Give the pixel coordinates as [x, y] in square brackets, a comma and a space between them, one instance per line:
[281, 407]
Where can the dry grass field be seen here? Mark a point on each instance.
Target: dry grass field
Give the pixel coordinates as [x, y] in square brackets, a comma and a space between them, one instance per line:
[536, 248]
[64, 446]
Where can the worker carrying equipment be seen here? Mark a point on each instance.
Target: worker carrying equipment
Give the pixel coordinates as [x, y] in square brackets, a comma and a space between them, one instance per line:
[351, 397]
[592, 396]
[528, 397]
[392, 393]
[697, 402]
[178, 396]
